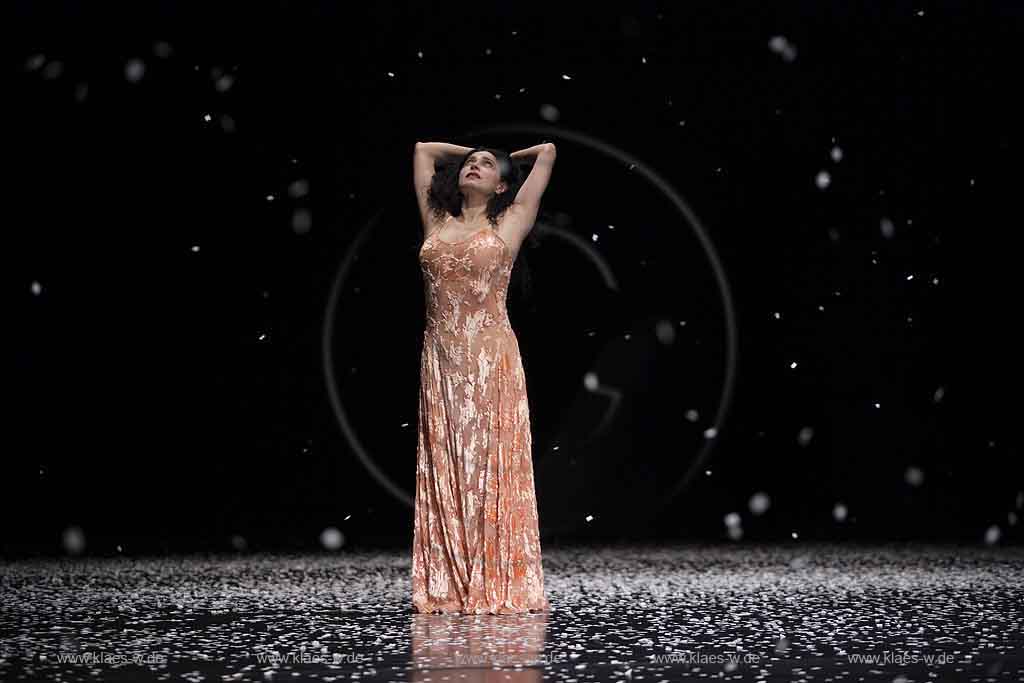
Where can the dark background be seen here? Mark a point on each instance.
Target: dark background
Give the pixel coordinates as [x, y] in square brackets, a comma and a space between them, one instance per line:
[169, 398]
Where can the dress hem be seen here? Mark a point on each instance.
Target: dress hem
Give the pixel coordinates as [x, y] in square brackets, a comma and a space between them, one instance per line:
[448, 609]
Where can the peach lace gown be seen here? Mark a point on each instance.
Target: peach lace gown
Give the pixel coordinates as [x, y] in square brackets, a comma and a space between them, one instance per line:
[476, 542]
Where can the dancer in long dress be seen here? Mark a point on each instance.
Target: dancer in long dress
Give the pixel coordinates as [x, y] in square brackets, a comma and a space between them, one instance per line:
[476, 540]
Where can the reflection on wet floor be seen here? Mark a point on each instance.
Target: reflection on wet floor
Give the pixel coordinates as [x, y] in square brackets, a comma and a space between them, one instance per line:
[796, 612]
[476, 647]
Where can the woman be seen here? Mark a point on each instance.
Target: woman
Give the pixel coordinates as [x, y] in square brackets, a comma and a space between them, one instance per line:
[476, 542]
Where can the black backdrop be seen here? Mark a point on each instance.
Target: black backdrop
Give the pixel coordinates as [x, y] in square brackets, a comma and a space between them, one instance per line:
[185, 181]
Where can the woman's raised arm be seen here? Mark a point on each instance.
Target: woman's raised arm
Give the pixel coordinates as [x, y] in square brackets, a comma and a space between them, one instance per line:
[424, 156]
[439, 150]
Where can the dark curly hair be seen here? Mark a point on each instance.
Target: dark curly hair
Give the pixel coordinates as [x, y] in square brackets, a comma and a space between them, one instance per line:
[444, 197]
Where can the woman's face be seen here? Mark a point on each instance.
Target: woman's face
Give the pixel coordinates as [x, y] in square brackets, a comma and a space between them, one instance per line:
[480, 173]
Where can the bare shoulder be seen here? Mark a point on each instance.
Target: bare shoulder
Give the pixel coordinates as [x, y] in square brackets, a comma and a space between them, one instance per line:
[515, 224]
[432, 223]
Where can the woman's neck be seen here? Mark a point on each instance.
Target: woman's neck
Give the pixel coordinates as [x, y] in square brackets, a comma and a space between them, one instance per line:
[472, 215]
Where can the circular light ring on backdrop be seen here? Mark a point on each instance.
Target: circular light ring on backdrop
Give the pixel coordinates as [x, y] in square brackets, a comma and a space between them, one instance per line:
[731, 335]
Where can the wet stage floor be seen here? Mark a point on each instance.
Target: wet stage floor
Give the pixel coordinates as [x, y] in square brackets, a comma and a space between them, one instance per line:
[743, 613]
